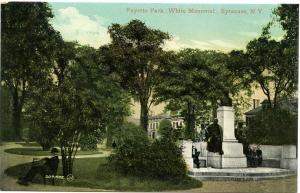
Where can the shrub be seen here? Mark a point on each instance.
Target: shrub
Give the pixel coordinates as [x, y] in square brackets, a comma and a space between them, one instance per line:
[27, 134]
[132, 146]
[135, 155]
[166, 129]
[42, 136]
[89, 142]
[166, 161]
[273, 126]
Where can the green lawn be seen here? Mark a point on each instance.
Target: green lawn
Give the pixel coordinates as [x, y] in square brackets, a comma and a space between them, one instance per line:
[96, 173]
[37, 151]
[29, 144]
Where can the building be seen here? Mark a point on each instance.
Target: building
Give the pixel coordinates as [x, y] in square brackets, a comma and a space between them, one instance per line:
[291, 104]
[154, 121]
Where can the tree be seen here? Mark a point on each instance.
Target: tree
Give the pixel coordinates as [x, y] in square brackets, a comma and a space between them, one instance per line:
[277, 126]
[194, 81]
[26, 49]
[135, 54]
[288, 16]
[77, 100]
[270, 63]
[6, 132]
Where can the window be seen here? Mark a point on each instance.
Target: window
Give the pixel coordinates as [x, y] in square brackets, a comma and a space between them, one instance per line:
[255, 103]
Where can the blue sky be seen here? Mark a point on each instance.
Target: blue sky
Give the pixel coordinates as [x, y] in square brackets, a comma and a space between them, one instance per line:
[87, 23]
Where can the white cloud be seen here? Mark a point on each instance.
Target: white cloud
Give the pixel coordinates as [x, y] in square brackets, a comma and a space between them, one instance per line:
[75, 26]
[176, 44]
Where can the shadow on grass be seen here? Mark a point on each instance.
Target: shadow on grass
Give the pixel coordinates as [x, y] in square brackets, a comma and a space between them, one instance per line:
[37, 151]
[96, 173]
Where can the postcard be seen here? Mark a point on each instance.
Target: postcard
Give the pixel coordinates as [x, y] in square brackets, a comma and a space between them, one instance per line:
[149, 96]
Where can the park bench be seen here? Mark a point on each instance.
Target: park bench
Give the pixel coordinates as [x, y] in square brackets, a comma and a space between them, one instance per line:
[48, 169]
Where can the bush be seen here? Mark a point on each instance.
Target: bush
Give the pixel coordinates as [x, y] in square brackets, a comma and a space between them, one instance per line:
[166, 129]
[273, 127]
[89, 142]
[27, 134]
[166, 161]
[132, 146]
[135, 155]
[44, 137]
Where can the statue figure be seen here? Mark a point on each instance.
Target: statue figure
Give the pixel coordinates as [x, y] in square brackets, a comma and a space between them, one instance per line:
[214, 137]
[226, 100]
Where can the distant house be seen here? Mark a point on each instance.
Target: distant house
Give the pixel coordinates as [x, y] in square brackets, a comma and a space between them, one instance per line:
[291, 104]
[154, 121]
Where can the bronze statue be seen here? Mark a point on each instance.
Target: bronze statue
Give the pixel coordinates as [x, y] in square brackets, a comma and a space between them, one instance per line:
[214, 137]
[226, 100]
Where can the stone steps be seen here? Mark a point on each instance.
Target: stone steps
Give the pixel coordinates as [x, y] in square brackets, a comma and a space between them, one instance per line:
[241, 174]
[238, 178]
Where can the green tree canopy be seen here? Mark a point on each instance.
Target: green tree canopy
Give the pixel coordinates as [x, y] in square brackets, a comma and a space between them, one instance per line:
[26, 50]
[134, 56]
[78, 99]
[270, 63]
[194, 81]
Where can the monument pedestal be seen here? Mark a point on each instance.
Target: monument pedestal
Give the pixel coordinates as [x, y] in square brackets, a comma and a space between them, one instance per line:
[233, 156]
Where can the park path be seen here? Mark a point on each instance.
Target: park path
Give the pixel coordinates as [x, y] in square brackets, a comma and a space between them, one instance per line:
[8, 183]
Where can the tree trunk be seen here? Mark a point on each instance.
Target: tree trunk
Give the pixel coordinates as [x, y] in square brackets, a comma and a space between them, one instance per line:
[109, 137]
[144, 115]
[16, 118]
[64, 162]
[46, 146]
[190, 122]
[67, 161]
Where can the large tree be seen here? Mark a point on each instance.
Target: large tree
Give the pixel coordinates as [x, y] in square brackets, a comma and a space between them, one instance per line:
[26, 49]
[270, 63]
[194, 81]
[78, 99]
[135, 55]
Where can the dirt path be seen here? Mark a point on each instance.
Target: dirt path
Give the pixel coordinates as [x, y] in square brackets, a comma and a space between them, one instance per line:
[8, 183]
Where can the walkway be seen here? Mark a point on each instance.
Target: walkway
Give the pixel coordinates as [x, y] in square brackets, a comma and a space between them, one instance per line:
[286, 185]
[8, 183]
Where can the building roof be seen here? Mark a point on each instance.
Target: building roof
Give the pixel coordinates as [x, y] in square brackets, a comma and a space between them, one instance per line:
[163, 116]
[254, 111]
[291, 104]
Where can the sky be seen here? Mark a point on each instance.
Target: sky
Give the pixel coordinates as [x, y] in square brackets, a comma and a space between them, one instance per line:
[221, 27]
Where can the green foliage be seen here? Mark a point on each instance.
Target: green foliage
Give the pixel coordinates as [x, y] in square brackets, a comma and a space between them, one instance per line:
[89, 142]
[288, 16]
[79, 99]
[194, 81]
[6, 131]
[165, 161]
[273, 127]
[272, 64]
[27, 134]
[165, 129]
[130, 156]
[135, 55]
[26, 49]
[135, 155]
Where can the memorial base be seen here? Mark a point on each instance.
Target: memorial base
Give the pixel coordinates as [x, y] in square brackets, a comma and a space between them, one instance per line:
[233, 157]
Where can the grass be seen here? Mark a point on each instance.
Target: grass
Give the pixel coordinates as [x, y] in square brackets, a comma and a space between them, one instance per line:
[29, 144]
[37, 151]
[96, 173]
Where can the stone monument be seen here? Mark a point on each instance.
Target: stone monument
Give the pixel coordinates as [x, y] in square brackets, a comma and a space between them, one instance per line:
[233, 156]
